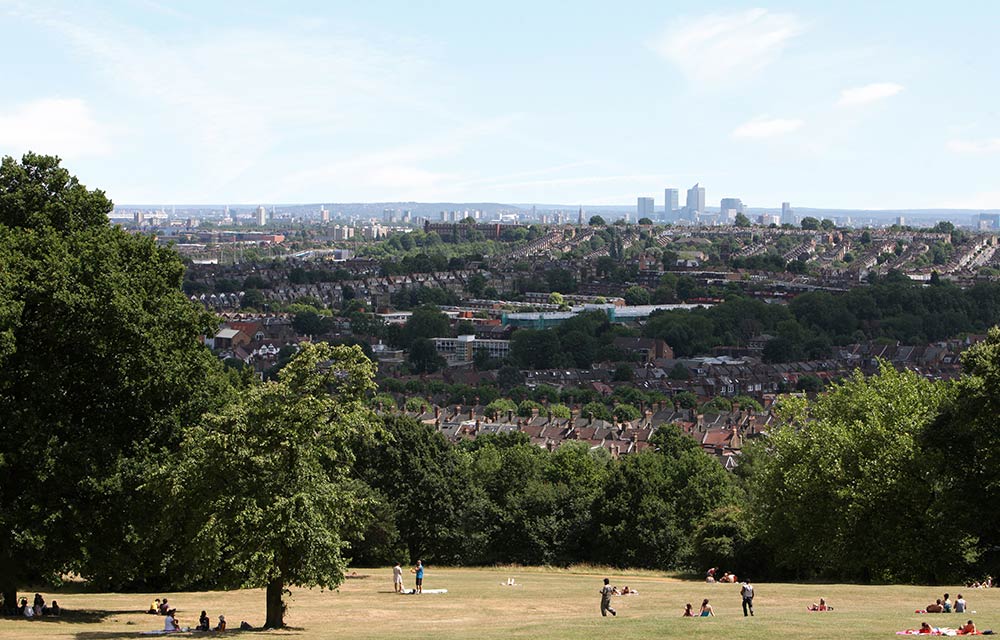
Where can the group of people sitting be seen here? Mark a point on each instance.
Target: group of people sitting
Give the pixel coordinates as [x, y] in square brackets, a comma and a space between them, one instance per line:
[726, 577]
[968, 629]
[37, 609]
[171, 624]
[985, 584]
[705, 611]
[945, 605]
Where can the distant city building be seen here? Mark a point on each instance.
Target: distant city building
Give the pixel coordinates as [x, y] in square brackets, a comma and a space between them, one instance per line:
[261, 216]
[900, 221]
[787, 215]
[343, 232]
[579, 219]
[989, 221]
[463, 349]
[695, 201]
[644, 208]
[138, 218]
[670, 204]
[729, 208]
[324, 214]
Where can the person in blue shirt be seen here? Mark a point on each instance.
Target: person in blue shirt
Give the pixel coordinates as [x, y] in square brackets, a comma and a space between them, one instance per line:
[419, 570]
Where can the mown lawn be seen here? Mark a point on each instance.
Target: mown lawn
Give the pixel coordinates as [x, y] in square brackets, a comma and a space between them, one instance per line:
[548, 604]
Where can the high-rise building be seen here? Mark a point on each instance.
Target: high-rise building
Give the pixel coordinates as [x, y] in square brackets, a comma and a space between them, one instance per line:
[644, 208]
[138, 218]
[324, 214]
[989, 221]
[261, 216]
[579, 219]
[669, 204]
[787, 215]
[729, 208]
[695, 200]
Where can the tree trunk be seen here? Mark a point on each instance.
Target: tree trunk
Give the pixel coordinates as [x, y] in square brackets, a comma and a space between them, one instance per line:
[275, 606]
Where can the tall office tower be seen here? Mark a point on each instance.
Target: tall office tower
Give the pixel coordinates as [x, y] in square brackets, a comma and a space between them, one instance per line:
[731, 203]
[644, 208]
[444, 216]
[579, 218]
[261, 216]
[695, 200]
[138, 217]
[669, 204]
[900, 221]
[787, 215]
[407, 216]
[324, 214]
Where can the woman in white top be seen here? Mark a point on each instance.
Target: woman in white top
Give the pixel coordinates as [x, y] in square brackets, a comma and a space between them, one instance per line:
[170, 622]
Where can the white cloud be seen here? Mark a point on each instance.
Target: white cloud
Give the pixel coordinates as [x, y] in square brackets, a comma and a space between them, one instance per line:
[722, 47]
[989, 145]
[63, 127]
[867, 94]
[764, 127]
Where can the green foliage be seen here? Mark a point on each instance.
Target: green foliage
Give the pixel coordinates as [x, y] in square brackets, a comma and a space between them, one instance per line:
[101, 363]
[597, 221]
[424, 358]
[742, 220]
[498, 409]
[844, 470]
[266, 481]
[596, 410]
[415, 404]
[625, 413]
[636, 295]
[527, 408]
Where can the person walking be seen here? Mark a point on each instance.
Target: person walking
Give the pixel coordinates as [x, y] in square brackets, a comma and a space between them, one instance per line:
[747, 592]
[606, 592]
[397, 578]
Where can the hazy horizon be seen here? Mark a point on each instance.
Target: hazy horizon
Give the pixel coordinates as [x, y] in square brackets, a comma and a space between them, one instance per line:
[858, 106]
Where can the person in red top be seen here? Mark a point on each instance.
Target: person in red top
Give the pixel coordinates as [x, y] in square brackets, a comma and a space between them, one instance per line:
[968, 629]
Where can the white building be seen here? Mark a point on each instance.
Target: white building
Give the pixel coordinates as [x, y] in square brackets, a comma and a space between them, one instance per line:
[463, 348]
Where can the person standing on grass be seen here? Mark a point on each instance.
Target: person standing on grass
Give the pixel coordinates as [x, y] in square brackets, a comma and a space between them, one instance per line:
[419, 570]
[606, 592]
[747, 592]
[397, 578]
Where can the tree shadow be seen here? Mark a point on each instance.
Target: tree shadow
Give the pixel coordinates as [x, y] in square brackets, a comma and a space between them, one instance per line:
[123, 635]
[82, 616]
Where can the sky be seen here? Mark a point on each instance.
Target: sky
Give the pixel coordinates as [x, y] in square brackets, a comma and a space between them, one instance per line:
[853, 104]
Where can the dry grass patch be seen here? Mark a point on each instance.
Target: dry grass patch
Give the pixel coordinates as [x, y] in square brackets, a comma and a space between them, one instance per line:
[549, 604]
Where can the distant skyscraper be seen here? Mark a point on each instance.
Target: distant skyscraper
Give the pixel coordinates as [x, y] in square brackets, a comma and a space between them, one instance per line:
[644, 208]
[669, 203]
[787, 215]
[579, 219]
[261, 216]
[138, 217]
[900, 221]
[695, 200]
[729, 208]
[324, 214]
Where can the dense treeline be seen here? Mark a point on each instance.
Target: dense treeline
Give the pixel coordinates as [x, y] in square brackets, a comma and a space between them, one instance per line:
[894, 308]
[501, 499]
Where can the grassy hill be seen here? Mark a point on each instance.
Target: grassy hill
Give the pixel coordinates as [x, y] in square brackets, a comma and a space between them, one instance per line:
[549, 604]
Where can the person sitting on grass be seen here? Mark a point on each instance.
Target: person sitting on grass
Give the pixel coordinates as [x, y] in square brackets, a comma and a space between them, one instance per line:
[688, 613]
[164, 607]
[222, 624]
[925, 628]
[154, 607]
[170, 623]
[204, 624]
[54, 610]
[706, 609]
[968, 629]
[960, 604]
[819, 607]
[937, 607]
[28, 610]
[946, 604]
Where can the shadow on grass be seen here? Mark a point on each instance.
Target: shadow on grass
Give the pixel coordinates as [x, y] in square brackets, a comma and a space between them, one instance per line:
[122, 635]
[82, 616]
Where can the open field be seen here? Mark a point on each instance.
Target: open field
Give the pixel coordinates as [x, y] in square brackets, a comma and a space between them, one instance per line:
[550, 604]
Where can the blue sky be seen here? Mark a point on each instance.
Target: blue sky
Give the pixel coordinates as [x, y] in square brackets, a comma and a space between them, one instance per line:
[846, 104]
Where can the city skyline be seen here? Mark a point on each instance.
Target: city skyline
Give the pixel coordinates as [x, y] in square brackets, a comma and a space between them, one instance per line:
[857, 107]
